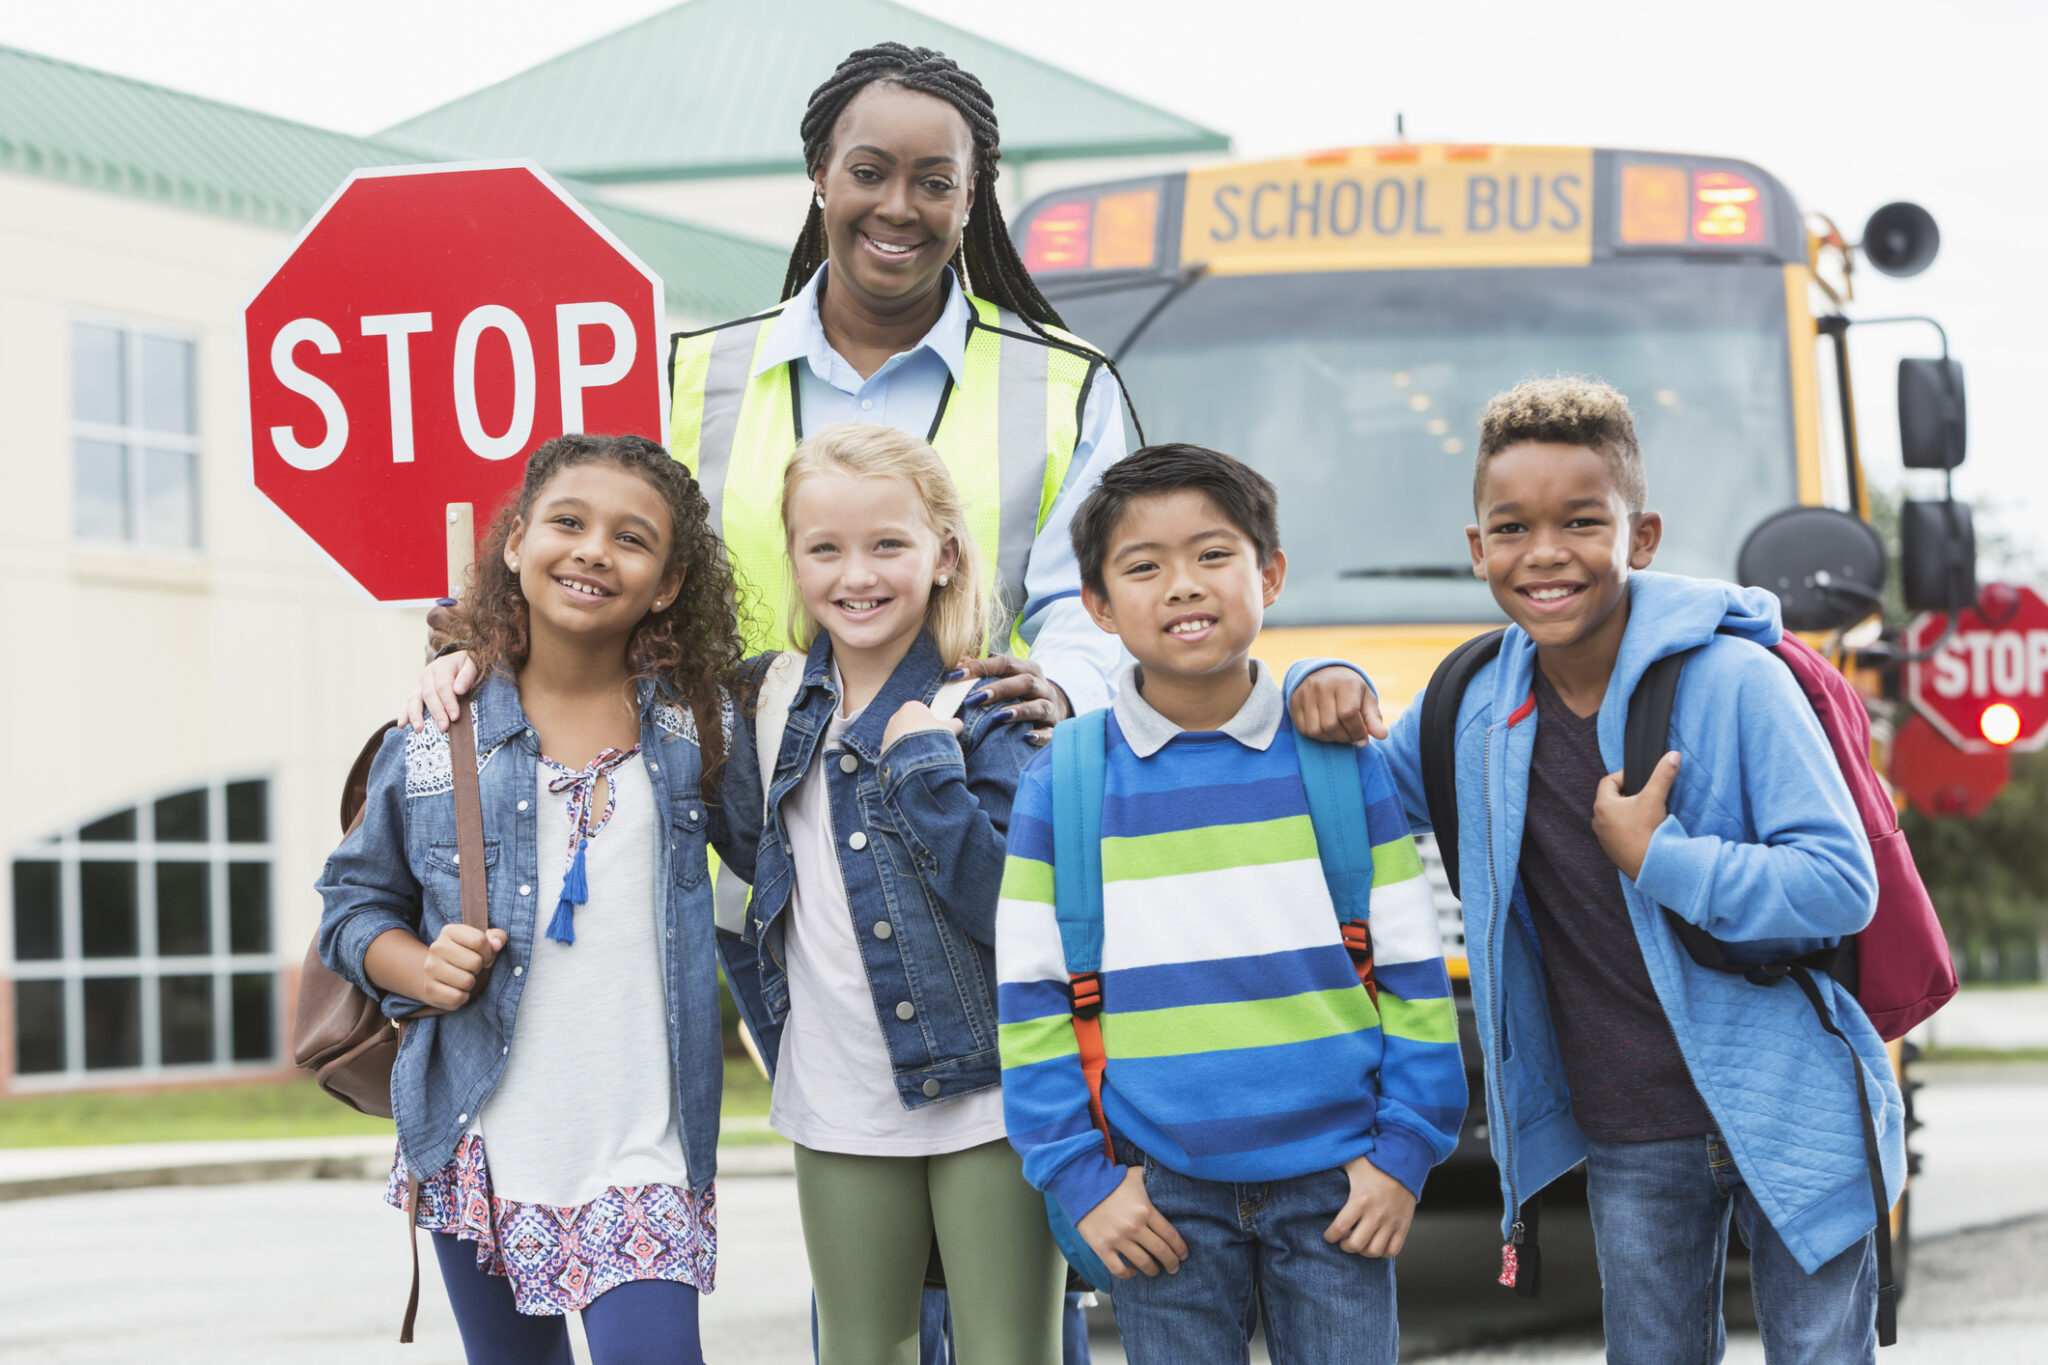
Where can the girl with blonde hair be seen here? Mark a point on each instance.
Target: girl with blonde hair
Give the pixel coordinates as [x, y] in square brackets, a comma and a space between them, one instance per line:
[865, 966]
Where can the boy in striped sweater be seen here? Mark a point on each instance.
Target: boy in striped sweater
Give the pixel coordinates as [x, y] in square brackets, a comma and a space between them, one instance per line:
[1271, 1122]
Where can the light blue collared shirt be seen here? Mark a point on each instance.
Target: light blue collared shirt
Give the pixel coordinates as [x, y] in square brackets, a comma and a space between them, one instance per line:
[1075, 653]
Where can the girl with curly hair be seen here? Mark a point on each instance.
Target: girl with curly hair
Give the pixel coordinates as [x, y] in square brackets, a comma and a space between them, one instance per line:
[562, 1115]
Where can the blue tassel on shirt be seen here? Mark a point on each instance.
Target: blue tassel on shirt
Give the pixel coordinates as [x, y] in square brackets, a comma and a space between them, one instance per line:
[575, 891]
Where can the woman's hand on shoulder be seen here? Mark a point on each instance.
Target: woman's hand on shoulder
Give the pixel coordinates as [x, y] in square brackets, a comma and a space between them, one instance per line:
[914, 717]
[1032, 698]
[443, 684]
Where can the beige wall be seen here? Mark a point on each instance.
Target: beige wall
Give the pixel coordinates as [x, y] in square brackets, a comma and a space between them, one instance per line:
[133, 674]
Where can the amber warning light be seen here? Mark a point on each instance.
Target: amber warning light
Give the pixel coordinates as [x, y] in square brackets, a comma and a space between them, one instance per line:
[1108, 232]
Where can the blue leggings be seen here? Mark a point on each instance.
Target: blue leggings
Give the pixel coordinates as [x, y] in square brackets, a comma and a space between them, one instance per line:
[642, 1322]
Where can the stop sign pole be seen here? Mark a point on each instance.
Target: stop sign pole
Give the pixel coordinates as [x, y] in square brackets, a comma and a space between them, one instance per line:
[1996, 656]
[427, 331]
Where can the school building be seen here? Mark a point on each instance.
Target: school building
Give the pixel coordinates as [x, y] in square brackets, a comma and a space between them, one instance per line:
[188, 679]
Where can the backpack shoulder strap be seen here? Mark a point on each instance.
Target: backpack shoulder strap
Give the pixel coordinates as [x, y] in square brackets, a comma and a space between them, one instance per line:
[1336, 809]
[779, 686]
[1078, 775]
[1079, 771]
[1440, 740]
[1645, 739]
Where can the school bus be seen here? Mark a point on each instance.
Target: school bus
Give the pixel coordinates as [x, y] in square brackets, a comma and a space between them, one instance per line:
[1339, 319]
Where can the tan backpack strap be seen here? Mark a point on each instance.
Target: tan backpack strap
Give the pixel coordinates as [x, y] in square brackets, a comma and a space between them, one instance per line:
[946, 701]
[412, 1219]
[469, 827]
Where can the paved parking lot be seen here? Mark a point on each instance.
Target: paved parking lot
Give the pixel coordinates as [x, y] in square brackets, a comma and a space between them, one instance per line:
[314, 1271]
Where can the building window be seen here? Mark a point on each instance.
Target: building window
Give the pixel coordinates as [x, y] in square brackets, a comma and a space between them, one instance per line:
[135, 437]
[143, 941]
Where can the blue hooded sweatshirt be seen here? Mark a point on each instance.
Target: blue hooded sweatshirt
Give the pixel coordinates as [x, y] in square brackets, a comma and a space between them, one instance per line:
[1762, 848]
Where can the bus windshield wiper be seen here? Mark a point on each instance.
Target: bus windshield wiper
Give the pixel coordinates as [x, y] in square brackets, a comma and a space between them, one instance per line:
[1409, 571]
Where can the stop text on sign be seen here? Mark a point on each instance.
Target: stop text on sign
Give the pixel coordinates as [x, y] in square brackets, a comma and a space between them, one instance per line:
[431, 328]
[1992, 663]
[575, 374]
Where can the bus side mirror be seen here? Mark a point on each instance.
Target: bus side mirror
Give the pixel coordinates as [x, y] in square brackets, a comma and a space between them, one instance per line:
[1937, 555]
[1826, 567]
[1932, 418]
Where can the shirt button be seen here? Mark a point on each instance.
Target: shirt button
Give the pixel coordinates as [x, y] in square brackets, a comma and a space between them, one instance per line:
[654, 767]
[692, 817]
[867, 404]
[504, 1052]
[522, 805]
[519, 971]
[931, 1089]
[462, 1118]
[905, 1010]
[525, 890]
[848, 763]
[883, 928]
[856, 841]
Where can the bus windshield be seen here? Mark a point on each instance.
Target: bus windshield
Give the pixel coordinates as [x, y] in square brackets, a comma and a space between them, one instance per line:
[1358, 394]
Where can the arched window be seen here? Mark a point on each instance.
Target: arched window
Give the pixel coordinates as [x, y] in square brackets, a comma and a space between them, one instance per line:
[143, 940]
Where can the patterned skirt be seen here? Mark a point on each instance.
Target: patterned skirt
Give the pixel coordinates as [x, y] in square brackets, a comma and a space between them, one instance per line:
[561, 1259]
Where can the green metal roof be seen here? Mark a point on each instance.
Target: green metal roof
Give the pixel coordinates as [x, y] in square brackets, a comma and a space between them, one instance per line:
[105, 132]
[718, 87]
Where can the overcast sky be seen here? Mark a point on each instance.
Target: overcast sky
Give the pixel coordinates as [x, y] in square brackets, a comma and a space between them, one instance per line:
[1851, 105]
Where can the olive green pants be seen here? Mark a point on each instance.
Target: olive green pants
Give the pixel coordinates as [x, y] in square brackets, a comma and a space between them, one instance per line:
[869, 1222]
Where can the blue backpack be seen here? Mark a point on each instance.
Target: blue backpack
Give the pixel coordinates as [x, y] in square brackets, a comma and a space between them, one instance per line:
[1336, 807]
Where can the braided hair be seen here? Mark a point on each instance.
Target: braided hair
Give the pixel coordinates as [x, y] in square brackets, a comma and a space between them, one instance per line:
[986, 262]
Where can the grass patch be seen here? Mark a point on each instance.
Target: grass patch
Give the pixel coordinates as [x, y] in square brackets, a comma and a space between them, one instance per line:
[1984, 1054]
[295, 1108]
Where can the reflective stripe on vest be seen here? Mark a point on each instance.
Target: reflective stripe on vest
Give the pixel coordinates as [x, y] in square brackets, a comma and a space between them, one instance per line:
[1007, 437]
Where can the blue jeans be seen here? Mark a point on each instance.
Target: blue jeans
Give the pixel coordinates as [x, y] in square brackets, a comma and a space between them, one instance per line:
[641, 1322]
[1255, 1251]
[1660, 1226]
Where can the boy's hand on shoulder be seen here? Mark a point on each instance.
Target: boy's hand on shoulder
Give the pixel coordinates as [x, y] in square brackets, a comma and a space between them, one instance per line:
[913, 717]
[1624, 824]
[1374, 1220]
[1130, 1235]
[1334, 705]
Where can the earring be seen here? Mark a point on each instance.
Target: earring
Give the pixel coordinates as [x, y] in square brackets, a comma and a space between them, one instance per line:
[515, 566]
[821, 198]
[944, 580]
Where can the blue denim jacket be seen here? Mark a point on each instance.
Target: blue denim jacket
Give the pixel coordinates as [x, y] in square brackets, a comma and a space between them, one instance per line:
[398, 871]
[923, 826]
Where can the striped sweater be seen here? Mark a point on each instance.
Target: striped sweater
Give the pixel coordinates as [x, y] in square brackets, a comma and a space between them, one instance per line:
[1240, 1044]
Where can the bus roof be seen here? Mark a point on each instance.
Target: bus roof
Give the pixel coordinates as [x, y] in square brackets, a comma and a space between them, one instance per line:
[1416, 205]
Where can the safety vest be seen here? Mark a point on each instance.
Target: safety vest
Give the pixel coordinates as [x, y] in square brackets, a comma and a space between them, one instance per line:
[1007, 436]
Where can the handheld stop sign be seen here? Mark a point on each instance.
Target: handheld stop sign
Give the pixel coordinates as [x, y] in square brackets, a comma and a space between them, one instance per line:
[430, 328]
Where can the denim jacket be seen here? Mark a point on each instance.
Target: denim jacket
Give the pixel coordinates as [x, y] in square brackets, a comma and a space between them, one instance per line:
[922, 828]
[398, 871]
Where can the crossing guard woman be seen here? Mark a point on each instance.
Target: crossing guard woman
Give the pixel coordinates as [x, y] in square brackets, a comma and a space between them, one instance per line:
[907, 304]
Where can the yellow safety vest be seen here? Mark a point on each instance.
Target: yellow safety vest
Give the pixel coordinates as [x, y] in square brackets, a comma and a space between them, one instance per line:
[1007, 435]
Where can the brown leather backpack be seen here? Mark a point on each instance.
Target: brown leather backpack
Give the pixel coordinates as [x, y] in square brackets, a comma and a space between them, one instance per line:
[339, 1033]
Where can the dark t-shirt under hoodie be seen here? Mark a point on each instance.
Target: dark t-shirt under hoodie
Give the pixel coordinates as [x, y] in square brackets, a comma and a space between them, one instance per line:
[1628, 1080]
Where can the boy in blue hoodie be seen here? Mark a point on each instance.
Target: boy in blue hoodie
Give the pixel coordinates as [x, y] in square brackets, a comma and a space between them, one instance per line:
[1690, 1094]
